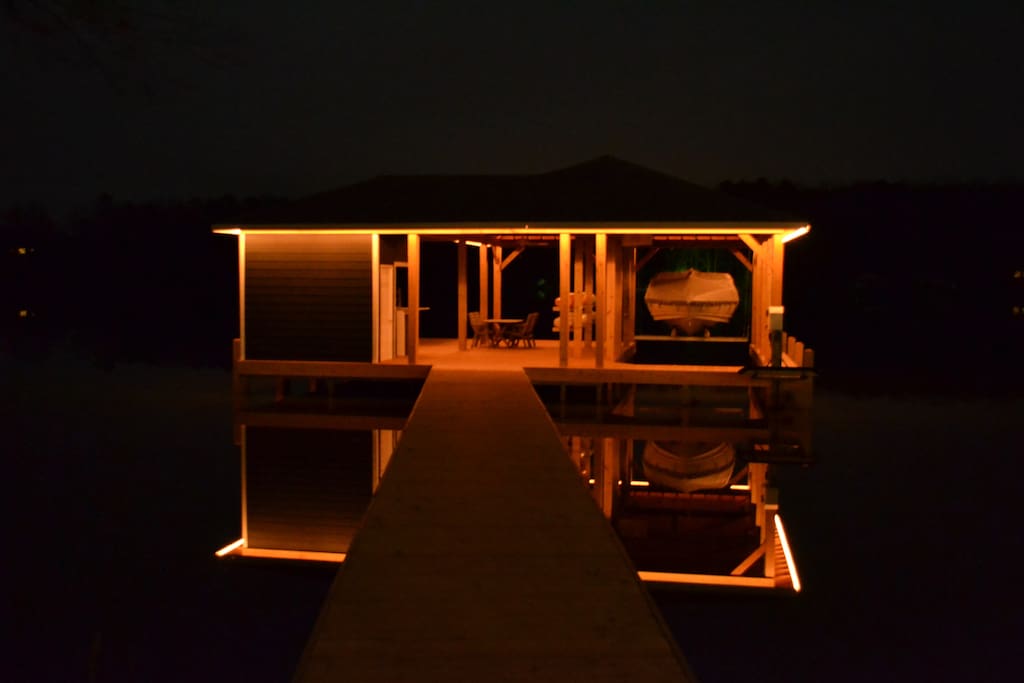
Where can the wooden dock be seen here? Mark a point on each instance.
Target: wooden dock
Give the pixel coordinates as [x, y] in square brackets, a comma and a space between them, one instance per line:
[483, 558]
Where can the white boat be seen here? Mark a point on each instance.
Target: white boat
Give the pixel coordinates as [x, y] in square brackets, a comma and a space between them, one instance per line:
[692, 300]
[689, 466]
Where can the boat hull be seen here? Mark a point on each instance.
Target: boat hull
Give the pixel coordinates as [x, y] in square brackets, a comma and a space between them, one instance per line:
[692, 300]
[689, 467]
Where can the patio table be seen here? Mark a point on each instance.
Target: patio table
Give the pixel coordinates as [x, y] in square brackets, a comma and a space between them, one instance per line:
[498, 327]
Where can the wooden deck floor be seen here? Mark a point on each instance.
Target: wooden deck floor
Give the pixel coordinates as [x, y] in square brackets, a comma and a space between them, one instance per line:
[483, 558]
[444, 353]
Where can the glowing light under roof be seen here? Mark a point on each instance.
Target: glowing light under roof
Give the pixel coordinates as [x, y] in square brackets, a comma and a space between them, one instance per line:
[790, 231]
[799, 232]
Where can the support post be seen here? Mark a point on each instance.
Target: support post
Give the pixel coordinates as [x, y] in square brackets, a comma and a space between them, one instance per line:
[375, 295]
[463, 297]
[241, 295]
[564, 250]
[614, 297]
[601, 298]
[629, 336]
[412, 326]
[777, 253]
[588, 288]
[483, 282]
[577, 288]
[496, 269]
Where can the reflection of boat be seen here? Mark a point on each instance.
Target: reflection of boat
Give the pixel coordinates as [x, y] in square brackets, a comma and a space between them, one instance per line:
[688, 466]
[692, 300]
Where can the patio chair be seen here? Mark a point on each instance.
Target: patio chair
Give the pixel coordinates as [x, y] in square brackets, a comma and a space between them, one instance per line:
[481, 332]
[522, 332]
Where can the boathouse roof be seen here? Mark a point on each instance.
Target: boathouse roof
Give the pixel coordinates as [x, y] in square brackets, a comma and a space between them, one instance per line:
[602, 190]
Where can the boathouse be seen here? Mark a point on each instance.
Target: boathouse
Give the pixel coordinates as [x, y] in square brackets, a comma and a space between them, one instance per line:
[330, 291]
[318, 276]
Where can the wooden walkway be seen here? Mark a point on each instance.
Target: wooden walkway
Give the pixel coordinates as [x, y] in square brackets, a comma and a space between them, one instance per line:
[483, 558]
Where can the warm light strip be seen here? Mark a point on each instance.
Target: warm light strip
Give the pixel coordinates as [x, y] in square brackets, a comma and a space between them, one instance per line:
[230, 547]
[304, 555]
[740, 487]
[638, 482]
[608, 229]
[707, 579]
[799, 232]
[471, 243]
[788, 553]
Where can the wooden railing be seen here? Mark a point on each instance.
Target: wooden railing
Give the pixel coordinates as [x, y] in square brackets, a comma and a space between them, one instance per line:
[795, 354]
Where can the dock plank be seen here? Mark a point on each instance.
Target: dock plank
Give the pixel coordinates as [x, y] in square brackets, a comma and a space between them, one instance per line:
[483, 558]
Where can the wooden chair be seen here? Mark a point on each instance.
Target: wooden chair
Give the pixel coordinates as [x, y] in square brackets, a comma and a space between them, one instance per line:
[480, 328]
[522, 332]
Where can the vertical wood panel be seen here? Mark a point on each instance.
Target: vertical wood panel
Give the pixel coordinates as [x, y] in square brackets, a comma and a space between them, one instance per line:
[308, 297]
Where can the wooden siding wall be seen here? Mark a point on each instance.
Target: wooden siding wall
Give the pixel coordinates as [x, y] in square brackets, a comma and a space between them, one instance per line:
[306, 489]
[308, 297]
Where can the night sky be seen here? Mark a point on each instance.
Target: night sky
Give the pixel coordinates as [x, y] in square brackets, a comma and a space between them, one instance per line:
[171, 100]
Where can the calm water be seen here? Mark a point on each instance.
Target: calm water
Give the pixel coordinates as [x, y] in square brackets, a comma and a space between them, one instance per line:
[122, 484]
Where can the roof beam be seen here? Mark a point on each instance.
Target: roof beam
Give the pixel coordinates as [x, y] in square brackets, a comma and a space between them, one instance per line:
[742, 259]
[511, 257]
[647, 257]
[749, 240]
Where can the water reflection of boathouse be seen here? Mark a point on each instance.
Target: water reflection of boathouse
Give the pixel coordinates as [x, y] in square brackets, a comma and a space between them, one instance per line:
[330, 355]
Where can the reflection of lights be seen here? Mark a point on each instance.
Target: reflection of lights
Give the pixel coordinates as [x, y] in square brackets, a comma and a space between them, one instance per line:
[789, 554]
[230, 547]
[23, 313]
[238, 548]
[299, 555]
[22, 251]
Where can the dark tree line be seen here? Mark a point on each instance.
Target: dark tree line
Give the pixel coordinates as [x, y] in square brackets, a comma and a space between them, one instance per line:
[123, 282]
[922, 282]
[918, 282]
